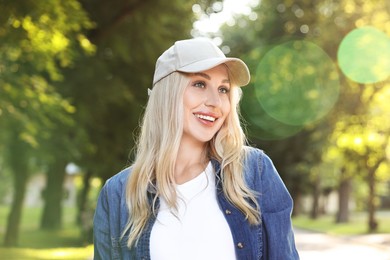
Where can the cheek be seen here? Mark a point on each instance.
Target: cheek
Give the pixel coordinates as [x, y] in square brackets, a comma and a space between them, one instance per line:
[226, 106]
[226, 110]
[187, 103]
[186, 99]
[191, 98]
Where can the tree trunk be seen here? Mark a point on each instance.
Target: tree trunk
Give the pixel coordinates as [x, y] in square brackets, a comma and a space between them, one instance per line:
[297, 203]
[18, 162]
[372, 223]
[53, 194]
[85, 211]
[83, 197]
[342, 215]
[316, 198]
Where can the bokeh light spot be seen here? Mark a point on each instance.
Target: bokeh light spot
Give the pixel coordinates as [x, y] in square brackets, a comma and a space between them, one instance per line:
[364, 55]
[296, 83]
[267, 128]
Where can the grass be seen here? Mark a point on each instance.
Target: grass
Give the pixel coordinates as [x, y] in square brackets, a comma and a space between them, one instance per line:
[53, 253]
[41, 244]
[356, 226]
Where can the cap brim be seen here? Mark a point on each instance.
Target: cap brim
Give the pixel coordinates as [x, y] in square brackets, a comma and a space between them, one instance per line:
[238, 71]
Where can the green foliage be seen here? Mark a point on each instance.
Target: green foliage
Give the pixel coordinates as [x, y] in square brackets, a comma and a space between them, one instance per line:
[109, 89]
[350, 140]
[42, 36]
[37, 41]
[74, 76]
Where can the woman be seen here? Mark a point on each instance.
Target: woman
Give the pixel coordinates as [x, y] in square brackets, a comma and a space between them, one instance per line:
[195, 191]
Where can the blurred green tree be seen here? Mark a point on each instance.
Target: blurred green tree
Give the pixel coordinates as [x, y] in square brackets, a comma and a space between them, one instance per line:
[38, 39]
[295, 147]
[74, 89]
[109, 89]
[298, 149]
[362, 139]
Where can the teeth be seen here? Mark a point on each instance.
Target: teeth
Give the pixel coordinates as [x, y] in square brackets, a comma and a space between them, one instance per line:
[208, 118]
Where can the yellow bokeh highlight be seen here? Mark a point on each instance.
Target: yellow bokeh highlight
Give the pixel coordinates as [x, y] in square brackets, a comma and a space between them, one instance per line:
[86, 44]
[350, 7]
[358, 141]
[16, 23]
[76, 253]
[59, 42]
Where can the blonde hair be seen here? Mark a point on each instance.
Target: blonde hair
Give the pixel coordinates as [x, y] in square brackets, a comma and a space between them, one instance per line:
[157, 149]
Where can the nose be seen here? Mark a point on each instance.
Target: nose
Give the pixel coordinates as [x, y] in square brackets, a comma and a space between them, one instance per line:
[213, 98]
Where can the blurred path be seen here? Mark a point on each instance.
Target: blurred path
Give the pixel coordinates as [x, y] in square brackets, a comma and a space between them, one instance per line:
[318, 246]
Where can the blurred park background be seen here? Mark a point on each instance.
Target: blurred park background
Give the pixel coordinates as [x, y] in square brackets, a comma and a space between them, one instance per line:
[73, 85]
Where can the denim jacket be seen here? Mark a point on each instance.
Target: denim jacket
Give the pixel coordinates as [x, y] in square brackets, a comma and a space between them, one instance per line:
[272, 239]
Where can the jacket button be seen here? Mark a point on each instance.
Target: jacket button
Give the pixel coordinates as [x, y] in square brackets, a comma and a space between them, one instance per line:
[228, 212]
[240, 245]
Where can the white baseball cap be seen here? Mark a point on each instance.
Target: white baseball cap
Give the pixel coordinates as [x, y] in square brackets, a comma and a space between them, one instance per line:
[196, 55]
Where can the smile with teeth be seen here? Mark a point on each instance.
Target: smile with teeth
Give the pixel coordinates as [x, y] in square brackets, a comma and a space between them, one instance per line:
[204, 117]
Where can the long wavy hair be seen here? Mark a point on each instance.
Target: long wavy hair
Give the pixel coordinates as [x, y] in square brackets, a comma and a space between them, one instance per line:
[157, 149]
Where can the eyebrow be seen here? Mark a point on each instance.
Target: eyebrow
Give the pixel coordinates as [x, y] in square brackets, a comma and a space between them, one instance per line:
[204, 75]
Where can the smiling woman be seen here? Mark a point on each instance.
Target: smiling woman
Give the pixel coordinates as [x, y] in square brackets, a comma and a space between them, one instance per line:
[206, 105]
[194, 182]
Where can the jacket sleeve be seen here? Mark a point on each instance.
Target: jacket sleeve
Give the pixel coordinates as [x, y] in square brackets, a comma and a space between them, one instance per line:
[276, 206]
[101, 230]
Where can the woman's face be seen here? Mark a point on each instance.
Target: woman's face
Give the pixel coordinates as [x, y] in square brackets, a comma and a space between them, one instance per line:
[206, 104]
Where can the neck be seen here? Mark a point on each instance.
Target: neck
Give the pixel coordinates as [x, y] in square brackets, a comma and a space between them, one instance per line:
[191, 161]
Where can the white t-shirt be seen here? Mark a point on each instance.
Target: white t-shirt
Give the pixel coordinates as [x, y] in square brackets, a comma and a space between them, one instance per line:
[199, 231]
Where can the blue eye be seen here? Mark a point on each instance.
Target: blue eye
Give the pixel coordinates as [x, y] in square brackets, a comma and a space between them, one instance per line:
[224, 90]
[199, 84]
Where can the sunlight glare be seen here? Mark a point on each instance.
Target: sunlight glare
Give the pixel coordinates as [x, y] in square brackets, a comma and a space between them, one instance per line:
[212, 23]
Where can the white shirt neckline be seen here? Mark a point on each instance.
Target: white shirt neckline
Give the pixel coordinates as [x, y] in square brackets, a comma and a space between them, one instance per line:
[199, 231]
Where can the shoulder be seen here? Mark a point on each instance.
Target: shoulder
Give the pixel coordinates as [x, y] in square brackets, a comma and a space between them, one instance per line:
[112, 199]
[111, 214]
[250, 150]
[258, 166]
[120, 178]
[262, 177]
[117, 183]
[252, 164]
[255, 159]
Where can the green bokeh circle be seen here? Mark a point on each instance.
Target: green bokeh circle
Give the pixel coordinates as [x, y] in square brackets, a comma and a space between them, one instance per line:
[364, 55]
[266, 127]
[297, 83]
